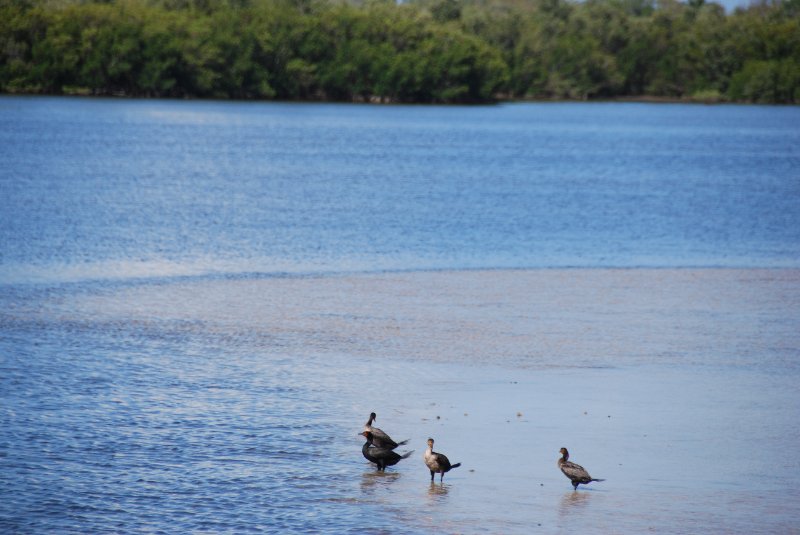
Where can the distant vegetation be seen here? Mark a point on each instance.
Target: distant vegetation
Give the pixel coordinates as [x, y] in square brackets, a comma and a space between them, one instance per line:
[414, 51]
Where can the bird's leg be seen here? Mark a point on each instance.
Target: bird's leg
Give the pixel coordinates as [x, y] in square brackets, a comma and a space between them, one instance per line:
[432, 474]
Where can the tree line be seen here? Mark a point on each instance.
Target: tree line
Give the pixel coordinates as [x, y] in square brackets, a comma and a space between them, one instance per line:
[450, 51]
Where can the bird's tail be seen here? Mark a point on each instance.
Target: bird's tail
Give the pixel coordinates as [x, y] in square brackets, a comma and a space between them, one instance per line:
[455, 465]
[403, 443]
[598, 480]
[407, 455]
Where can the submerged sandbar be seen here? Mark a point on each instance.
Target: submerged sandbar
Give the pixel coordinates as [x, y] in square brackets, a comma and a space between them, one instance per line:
[528, 318]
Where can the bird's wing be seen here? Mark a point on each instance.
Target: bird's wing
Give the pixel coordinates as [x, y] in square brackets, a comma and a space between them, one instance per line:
[443, 461]
[382, 453]
[378, 433]
[382, 439]
[574, 471]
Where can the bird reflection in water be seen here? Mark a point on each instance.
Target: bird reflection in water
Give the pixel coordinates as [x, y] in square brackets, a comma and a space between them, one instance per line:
[571, 502]
[438, 491]
[370, 481]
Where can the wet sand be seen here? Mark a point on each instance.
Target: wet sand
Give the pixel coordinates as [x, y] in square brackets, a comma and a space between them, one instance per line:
[676, 386]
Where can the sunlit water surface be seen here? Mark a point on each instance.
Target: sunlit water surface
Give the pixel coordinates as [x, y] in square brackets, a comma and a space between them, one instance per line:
[200, 304]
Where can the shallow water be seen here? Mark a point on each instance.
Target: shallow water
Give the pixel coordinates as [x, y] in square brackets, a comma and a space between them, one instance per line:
[219, 405]
[201, 302]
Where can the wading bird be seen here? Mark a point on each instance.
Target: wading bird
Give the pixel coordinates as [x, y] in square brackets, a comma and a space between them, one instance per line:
[382, 457]
[379, 438]
[437, 462]
[575, 472]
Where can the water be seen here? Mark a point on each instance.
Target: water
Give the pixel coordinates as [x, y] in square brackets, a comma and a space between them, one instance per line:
[101, 189]
[201, 302]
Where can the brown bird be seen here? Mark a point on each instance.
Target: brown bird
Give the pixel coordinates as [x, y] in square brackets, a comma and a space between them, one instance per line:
[437, 462]
[379, 438]
[382, 457]
[575, 472]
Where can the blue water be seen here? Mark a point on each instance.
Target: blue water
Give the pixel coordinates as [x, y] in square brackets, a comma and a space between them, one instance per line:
[201, 302]
[94, 186]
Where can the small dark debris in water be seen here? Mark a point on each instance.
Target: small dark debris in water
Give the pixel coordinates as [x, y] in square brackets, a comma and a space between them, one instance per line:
[541, 484]
[472, 470]
[438, 417]
[584, 412]
[519, 415]
[465, 414]
[609, 416]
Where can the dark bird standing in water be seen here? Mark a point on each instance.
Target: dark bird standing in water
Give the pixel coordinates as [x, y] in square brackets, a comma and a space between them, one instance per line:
[379, 438]
[382, 457]
[437, 462]
[575, 472]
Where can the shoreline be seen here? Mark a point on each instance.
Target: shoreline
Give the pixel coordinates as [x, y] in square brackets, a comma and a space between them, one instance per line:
[644, 99]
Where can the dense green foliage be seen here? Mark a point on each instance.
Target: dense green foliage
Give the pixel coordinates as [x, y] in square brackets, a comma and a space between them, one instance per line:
[415, 51]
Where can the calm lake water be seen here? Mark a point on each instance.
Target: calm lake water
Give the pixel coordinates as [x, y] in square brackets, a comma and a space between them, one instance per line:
[201, 302]
[115, 189]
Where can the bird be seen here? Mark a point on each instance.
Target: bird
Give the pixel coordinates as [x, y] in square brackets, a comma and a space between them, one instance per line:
[382, 457]
[437, 462]
[379, 438]
[575, 472]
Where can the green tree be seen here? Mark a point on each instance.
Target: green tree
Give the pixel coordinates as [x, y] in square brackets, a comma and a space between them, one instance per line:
[415, 51]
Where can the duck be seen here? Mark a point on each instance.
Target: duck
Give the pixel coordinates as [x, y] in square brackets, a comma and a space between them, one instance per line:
[437, 462]
[381, 439]
[575, 472]
[382, 457]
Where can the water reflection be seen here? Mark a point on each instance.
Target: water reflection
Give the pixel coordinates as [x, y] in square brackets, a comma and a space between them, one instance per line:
[573, 502]
[372, 480]
[438, 491]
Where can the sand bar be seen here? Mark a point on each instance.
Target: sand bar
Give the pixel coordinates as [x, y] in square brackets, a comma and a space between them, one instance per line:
[528, 318]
